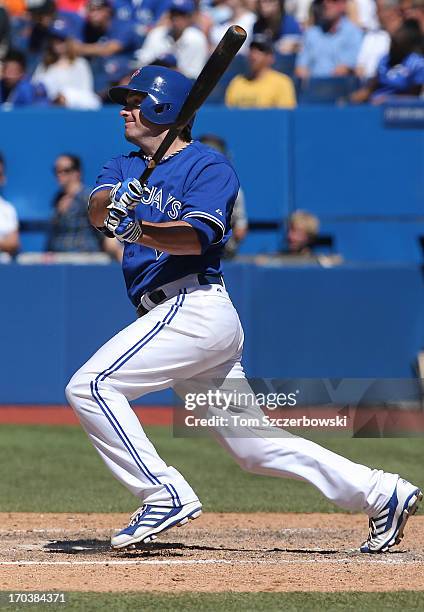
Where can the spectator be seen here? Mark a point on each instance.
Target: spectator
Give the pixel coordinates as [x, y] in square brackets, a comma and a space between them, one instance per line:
[242, 16]
[331, 47]
[302, 232]
[414, 9]
[105, 39]
[103, 35]
[9, 226]
[4, 32]
[16, 88]
[282, 28]
[263, 87]
[364, 14]
[301, 237]
[239, 222]
[218, 11]
[33, 34]
[67, 79]
[142, 15]
[70, 230]
[376, 42]
[181, 38]
[400, 72]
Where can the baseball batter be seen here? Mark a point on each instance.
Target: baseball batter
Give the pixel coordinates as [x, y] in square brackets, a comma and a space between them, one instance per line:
[187, 329]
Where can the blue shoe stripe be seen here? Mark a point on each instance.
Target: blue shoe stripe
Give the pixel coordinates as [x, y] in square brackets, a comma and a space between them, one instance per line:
[405, 507]
[109, 414]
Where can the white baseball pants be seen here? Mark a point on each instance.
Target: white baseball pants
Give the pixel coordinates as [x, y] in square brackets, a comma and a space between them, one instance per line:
[197, 333]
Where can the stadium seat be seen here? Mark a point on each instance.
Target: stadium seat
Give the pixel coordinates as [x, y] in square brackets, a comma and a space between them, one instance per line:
[326, 90]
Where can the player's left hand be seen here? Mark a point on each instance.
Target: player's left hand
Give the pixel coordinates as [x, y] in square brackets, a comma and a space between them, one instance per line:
[127, 194]
[123, 227]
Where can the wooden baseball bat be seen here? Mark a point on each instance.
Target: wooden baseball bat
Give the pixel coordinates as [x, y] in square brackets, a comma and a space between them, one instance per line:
[212, 71]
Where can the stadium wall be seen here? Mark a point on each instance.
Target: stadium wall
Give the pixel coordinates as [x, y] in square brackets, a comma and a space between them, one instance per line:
[347, 321]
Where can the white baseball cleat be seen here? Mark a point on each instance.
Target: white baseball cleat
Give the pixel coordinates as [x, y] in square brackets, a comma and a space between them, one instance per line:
[386, 528]
[149, 521]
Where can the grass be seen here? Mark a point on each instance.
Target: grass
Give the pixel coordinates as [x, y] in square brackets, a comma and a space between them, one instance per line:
[234, 602]
[55, 469]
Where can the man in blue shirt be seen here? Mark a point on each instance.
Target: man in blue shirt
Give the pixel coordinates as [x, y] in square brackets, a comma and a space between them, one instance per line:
[15, 87]
[103, 35]
[331, 47]
[105, 41]
[188, 335]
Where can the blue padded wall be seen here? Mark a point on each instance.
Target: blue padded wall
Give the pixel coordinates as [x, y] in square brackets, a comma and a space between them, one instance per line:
[349, 321]
[347, 163]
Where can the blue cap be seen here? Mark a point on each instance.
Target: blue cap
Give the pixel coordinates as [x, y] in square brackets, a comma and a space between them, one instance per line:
[183, 6]
[60, 29]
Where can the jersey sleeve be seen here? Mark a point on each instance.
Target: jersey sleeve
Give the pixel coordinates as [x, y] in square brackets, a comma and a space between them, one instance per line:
[110, 174]
[209, 201]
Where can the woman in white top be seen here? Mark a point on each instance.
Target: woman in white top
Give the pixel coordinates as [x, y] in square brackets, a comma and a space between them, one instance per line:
[9, 225]
[240, 15]
[68, 79]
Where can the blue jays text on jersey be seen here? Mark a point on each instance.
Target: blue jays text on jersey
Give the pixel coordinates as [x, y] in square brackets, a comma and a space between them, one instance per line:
[197, 185]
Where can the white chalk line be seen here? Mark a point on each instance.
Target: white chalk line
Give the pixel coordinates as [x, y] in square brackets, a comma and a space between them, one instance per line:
[122, 562]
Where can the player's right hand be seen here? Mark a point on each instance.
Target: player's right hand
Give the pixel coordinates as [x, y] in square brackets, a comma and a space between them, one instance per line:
[126, 195]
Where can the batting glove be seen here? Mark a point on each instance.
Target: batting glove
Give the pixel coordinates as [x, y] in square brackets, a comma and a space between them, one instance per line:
[123, 227]
[126, 195]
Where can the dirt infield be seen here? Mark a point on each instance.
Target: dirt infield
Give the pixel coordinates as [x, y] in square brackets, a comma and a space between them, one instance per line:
[217, 552]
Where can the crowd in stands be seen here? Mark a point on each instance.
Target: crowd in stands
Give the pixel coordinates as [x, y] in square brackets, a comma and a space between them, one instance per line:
[69, 52]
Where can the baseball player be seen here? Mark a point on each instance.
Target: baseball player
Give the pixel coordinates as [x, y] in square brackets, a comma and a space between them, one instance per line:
[174, 229]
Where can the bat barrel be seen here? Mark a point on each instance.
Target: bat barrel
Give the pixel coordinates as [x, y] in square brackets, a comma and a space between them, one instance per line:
[213, 70]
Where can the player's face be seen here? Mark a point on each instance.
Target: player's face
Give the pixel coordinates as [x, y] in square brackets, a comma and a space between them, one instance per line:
[137, 127]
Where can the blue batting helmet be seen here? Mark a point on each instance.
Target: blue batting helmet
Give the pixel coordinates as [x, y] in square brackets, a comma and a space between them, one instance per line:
[165, 89]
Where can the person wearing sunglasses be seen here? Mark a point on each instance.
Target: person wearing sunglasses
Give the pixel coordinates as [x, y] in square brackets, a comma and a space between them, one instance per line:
[70, 230]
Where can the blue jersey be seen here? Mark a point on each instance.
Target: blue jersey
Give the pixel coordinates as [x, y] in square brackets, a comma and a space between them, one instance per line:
[197, 185]
[24, 93]
[402, 78]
